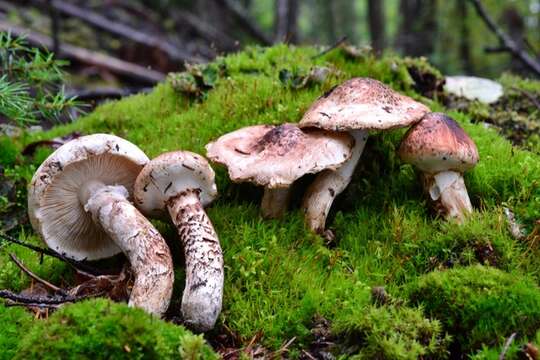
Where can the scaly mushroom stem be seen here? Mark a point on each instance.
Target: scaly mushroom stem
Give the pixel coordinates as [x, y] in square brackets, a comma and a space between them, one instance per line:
[328, 184]
[275, 202]
[145, 248]
[449, 193]
[203, 292]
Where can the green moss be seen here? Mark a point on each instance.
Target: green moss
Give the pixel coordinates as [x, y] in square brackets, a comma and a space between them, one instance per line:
[99, 329]
[479, 305]
[277, 274]
[391, 332]
[15, 321]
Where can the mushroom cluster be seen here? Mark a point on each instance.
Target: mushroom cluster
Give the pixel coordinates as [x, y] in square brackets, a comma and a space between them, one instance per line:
[88, 198]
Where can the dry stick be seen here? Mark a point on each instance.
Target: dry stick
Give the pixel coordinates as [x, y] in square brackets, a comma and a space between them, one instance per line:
[40, 300]
[242, 17]
[531, 97]
[337, 44]
[506, 41]
[77, 265]
[35, 277]
[116, 28]
[86, 56]
[506, 346]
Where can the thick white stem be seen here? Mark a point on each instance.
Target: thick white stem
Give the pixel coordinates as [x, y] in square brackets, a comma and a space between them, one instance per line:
[145, 248]
[328, 184]
[449, 193]
[201, 302]
[275, 202]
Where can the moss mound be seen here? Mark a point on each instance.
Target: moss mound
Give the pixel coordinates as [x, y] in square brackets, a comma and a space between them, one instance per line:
[278, 275]
[391, 332]
[99, 329]
[479, 305]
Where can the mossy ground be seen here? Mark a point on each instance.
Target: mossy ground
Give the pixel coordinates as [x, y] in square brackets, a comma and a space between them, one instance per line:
[278, 275]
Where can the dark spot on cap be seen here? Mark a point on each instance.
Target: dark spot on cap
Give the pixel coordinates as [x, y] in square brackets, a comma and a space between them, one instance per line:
[332, 191]
[388, 109]
[117, 147]
[188, 167]
[324, 114]
[444, 157]
[168, 187]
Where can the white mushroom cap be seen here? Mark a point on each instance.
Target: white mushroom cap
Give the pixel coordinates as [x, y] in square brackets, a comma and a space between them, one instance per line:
[54, 195]
[438, 143]
[276, 156]
[168, 176]
[362, 103]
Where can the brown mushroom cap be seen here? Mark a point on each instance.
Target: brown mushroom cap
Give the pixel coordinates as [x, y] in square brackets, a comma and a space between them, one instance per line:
[169, 175]
[437, 143]
[363, 103]
[54, 206]
[276, 156]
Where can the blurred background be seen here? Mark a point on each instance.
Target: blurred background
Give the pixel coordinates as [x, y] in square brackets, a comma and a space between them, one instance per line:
[116, 47]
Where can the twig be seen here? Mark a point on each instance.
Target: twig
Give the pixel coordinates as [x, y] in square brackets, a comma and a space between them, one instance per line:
[332, 47]
[531, 97]
[86, 56]
[505, 40]
[242, 17]
[506, 346]
[35, 277]
[31, 300]
[75, 264]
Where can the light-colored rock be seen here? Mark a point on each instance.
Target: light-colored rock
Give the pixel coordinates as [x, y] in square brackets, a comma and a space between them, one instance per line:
[474, 88]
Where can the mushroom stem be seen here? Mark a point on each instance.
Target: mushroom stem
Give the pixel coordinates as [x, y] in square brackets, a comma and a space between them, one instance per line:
[146, 250]
[328, 184]
[449, 193]
[275, 202]
[201, 302]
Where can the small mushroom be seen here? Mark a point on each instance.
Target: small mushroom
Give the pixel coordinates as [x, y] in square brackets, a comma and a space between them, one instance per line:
[440, 148]
[181, 183]
[276, 156]
[78, 203]
[357, 106]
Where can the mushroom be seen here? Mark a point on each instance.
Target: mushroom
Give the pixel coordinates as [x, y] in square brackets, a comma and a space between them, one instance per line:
[357, 106]
[78, 203]
[276, 156]
[181, 183]
[440, 148]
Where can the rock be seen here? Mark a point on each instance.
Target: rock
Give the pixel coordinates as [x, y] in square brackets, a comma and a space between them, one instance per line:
[474, 88]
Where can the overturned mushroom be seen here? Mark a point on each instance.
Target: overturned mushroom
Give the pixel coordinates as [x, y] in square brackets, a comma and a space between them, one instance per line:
[357, 106]
[78, 203]
[276, 156]
[181, 183]
[443, 152]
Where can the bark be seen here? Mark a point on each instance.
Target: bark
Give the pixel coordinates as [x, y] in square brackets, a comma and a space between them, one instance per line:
[376, 24]
[146, 250]
[203, 292]
[275, 202]
[328, 184]
[286, 21]
[418, 27]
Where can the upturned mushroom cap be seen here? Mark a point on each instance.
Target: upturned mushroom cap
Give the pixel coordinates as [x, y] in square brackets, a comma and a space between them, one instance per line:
[276, 156]
[54, 206]
[362, 103]
[437, 143]
[169, 175]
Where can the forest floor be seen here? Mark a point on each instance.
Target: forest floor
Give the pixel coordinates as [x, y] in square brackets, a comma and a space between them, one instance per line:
[397, 282]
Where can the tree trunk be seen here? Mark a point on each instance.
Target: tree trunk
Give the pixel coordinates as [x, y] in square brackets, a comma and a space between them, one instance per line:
[376, 24]
[465, 36]
[418, 27]
[286, 20]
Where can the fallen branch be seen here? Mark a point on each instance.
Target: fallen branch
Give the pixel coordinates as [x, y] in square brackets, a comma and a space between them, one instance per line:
[44, 251]
[243, 19]
[86, 56]
[506, 41]
[116, 28]
[35, 277]
[335, 45]
[530, 96]
[507, 344]
[40, 300]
